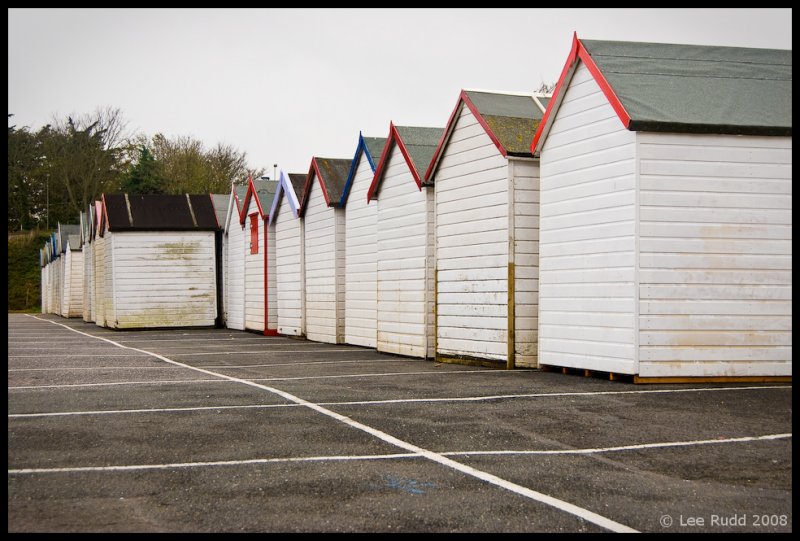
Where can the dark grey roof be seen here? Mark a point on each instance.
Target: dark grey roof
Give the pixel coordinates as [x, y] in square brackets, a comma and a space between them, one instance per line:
[160, 212]
[375, 147]
[334, 172]
[241, 191]
[74, 242]
[421, 143]
[265, 189]
[65, 230]
[220, 201]
[699, 89]
[298, 181]
[513, 118]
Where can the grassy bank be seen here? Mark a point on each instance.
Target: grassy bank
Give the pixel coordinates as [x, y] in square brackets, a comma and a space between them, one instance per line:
[24, 274]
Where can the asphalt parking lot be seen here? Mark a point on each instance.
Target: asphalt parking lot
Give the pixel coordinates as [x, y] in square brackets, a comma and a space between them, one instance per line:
[212, 430]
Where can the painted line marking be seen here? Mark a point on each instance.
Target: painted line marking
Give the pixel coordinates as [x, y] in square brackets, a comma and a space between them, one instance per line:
[267, 351]
[390, 401]
[562, 505]
[67, 368]
[63, 356]
[135, 467]
[292, 378]
[661, 445]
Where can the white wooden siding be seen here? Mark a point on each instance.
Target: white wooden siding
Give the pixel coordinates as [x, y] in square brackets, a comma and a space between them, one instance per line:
[472, 251]
[99, 281]
[272, 283]
[289, 271]
[405, 272]
[253, 273]
[234, 276]
[163, 279]
[526, 265]
[715, 278]
[66, 283]
[324, 286]
[361, 264]
[44, 287]
[74, 291]
[587, 238]
[109, 297]
[88, 283]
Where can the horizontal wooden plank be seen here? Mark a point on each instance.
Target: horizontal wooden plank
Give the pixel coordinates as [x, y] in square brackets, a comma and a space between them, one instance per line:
[710, 369]
[719, 322]
[593, 362]
[623, 351]
[712, 261]
[705, 338]
[715, 292]
[730, 354]
[727, 185]
[620, 305]
[715, 230]
[715, 276]
[715, 307]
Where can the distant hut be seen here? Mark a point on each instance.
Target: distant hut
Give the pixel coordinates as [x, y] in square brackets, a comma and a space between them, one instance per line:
[284, 219]
[160, 264]
[260, 310]
[405, 242]
[361, 247]
[233, 247]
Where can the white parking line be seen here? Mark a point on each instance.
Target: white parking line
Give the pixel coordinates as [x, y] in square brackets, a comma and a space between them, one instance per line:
[112, 384]
[135, 467]
[270, 351]
[398, 401]
[567, 507]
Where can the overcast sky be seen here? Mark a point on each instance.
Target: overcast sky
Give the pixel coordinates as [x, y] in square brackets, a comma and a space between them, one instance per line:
[287, 84]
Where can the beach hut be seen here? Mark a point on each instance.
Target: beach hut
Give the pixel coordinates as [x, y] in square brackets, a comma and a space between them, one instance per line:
[98, 254]
[322, 213]
[160, 262]
[405, 242]
[72, 289]
[55, 273]
[361, 248]
[284, 219]
[665, 230]
[486, 186]
[87, 220]
[43, 283]
[260, 306]
[233, 245]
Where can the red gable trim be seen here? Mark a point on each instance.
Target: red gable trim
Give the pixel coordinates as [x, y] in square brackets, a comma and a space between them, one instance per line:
[394, 138]
[462, 98]
[313, 171]
[579, 52]
[101, 227]
[251, 192]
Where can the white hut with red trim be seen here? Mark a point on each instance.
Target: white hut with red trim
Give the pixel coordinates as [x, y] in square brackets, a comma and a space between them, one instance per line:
[323, 239]
[284, 219]
[361, 247]
[486, 183]
[87, 219]
[405, 242]
[666, 212]
[98, 254]
[260, 304]
[233, 254]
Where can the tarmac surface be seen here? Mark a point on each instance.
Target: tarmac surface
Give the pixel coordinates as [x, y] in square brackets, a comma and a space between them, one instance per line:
[214, 430]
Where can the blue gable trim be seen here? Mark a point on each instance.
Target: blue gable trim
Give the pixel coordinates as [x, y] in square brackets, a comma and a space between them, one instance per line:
[284, 185]
[362, 146]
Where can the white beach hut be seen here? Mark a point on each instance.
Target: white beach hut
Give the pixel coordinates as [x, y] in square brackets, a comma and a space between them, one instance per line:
[666, 212]
[361, 247]
[405, 242]
[487, 212]
[284, 219]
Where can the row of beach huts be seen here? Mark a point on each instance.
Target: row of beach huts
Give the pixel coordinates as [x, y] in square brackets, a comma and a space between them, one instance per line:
[636, 221]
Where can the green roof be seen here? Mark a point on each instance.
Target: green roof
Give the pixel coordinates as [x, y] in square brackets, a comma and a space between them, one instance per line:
[421, 143]
[334, 173]
[513, 118]
[375, 147]
[699, 89]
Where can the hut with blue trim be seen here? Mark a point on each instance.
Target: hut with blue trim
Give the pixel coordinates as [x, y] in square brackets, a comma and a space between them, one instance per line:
[361, 248]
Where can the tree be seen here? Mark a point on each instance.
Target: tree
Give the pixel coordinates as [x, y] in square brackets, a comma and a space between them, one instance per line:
[26, 191]
[82, 158]
[144, 176]
[545, 88]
